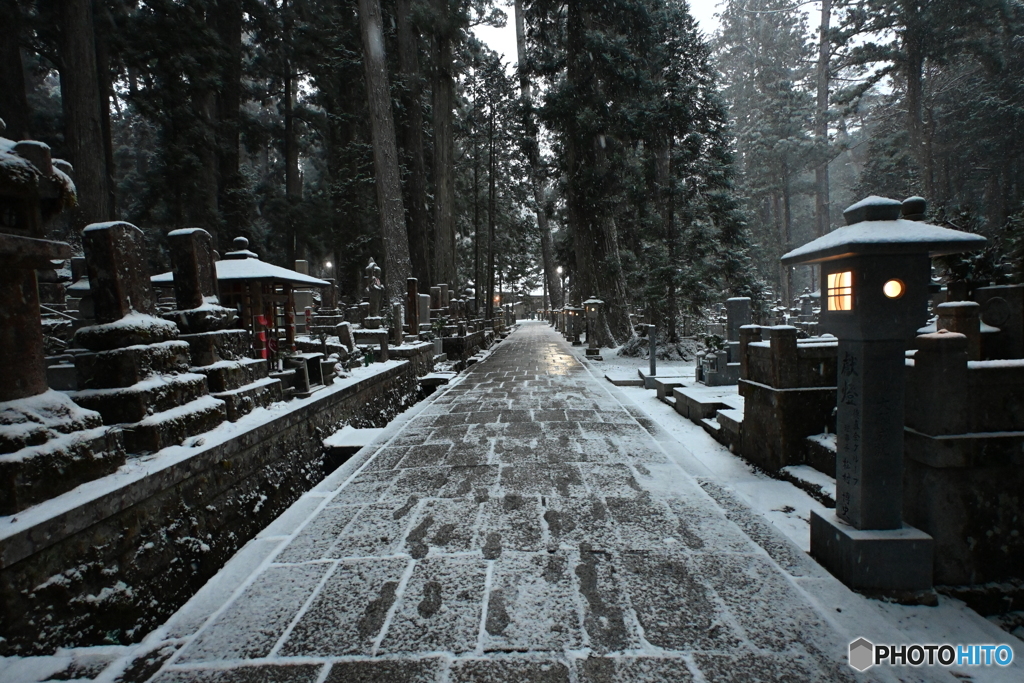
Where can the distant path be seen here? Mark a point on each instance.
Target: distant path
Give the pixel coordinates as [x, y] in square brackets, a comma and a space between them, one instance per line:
[523, 527]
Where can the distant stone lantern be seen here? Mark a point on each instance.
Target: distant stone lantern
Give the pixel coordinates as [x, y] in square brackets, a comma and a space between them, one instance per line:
[576, 315]
[592, 306]
[875, 274]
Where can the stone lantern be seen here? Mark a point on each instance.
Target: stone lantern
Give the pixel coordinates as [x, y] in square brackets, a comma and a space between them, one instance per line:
[875, 274]
[592, 306]
[576, 315]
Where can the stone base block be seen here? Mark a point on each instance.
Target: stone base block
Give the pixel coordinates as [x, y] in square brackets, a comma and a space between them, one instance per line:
[172, 427]
[39, 473]
[229, 375]
[132, 330]
[150, 396]
[895, 562]
[130, 365]
[210, 347]
[204, 319]
[243, 400]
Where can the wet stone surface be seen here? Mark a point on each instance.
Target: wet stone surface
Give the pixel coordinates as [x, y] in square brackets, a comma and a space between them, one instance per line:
[522, 526]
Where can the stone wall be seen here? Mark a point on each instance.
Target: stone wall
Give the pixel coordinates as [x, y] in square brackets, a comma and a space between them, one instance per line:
[789, 391]
[461, 348]
[964, 460]
[111, 560]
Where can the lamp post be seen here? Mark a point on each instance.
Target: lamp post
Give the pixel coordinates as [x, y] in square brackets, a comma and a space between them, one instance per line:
[875, 276]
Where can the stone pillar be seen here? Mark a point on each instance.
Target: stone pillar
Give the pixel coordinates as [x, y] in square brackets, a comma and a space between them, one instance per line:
[869, 455]
[445, 299]
[784, 356]
[23, 370]
[748, 334]
[396, 324]
[412, 305]
[289, 317]
[329, 297]
[652, 341]
[940, 374]
[192, 258]
[963, 317]
[435, 298]
[424, 312]
[115, 256]
[738, 314]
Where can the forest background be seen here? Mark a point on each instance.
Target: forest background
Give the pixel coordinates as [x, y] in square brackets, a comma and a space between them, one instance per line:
[661, 168]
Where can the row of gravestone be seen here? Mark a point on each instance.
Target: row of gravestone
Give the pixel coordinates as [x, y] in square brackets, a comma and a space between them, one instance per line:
[152, 381]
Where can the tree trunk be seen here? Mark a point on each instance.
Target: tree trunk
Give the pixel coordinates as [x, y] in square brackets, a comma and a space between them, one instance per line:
[14, 109]
[478, 278]
[822, 219]
[491, 223]
[292, 179]
[584, 239]
[444, 152]
[417, 225]
[104, 28]
[83, 104]
[913, 72]
[533, 156]
[229, 98]
[385, 152]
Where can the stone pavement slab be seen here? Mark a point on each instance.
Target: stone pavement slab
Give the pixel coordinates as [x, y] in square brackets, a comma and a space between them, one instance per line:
[523, 525]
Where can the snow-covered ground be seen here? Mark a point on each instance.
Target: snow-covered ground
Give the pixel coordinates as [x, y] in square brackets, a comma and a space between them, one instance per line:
[730, 539]
[788, 508]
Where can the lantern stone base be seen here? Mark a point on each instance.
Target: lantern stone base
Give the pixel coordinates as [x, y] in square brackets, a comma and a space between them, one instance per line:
[895, 563]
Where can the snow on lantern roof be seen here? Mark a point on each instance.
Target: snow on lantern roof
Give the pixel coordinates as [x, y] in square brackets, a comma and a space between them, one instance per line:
[26, 166]
[236, 266]
[875, 227]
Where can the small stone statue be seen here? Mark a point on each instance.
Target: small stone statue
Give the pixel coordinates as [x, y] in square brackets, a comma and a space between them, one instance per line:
[374, 289]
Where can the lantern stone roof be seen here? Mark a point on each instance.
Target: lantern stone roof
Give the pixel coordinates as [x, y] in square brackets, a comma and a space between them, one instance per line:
[27, 169]
[875, 227]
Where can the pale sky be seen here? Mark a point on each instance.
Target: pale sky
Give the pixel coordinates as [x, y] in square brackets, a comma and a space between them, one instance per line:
[503, 40]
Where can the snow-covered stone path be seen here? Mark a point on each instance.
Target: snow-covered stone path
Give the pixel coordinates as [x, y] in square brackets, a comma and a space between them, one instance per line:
[523, 526]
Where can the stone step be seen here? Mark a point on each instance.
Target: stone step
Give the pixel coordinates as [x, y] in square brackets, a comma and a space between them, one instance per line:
[209, 347]
[233, 374]
[39, 473]
[624, 379]
[711, 426]
[130, 365]
[172, 427]
[243, 400]
[150, 396]
[288, 380]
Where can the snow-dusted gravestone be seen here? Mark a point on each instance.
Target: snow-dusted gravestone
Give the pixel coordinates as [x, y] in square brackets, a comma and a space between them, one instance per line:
[195, 291]
[396, 324]
[425, 310]
[412, 305]
[737, 310]
[130, 346]
[195, 274]
[115, 256]
[344, 332]
[875, 273]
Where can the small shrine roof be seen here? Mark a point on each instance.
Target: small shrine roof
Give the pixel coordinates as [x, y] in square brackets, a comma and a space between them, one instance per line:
[250, 269]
